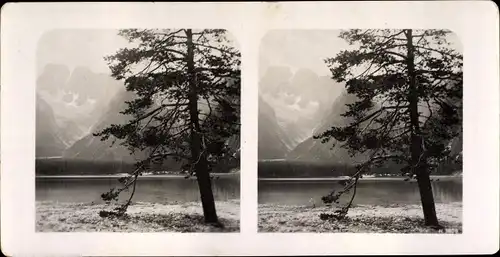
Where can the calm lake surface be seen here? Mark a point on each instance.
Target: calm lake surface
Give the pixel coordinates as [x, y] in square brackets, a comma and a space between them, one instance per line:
[155, 189]
[369, 191]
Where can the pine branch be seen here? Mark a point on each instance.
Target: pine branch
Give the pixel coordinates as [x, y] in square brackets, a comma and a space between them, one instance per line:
[165, 155]
[396, 54]
[369, 124]
[392, 37]
[123, 208]
[383, 50]
[175, 51]
[214, 48]
[397, 136]
[383, 77]
[374, 115]
[435, 50]
[385, 67]
[172, 118]
[395, 107]
[422, 36]
[182, 131]
[169, 34]
[158, 109]
[370, 116]
[389, 157]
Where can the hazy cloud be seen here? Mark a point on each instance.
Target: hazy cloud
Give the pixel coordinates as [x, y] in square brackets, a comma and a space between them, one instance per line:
[78, 47]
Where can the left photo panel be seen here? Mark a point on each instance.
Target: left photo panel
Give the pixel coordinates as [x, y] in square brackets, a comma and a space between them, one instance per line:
[138, 130]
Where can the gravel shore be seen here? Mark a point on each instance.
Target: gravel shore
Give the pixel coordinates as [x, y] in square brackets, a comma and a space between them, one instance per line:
[361, 219]
[142, 217]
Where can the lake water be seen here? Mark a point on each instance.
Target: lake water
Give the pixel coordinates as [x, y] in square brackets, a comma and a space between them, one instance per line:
[162, 189]
[369, 191]
[155, 189]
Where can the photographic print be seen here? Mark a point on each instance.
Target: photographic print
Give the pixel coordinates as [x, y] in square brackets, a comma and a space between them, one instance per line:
[360, 131]
[283, 128]
[137, 130]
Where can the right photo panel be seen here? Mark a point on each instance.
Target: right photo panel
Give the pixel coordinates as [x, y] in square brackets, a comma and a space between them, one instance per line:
[360, 131]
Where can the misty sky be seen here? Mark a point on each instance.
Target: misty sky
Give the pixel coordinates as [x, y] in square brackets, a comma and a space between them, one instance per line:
[84, 47]
[292, 48]
[299, 49]
[78, 48]
[304, 49]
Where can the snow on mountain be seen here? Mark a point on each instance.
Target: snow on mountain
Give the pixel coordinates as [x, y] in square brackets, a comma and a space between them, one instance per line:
[313, 149]
[300, 100]
[77, 98]
[90, 147]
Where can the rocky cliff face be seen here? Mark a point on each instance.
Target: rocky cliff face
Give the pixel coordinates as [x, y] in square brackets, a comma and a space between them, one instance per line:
[49, 139]
[313, 150]
[271, 143]
[92, 148]
[300, 100]
[76, 97]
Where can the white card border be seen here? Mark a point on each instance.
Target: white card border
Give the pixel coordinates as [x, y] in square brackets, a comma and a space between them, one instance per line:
[476, 22]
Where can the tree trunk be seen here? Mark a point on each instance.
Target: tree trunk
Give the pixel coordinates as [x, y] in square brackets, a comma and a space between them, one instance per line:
[199, 158]
[417, 158]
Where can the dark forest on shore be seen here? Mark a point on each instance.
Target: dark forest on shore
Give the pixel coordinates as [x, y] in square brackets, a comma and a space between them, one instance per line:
[304, 169]
[60, 166]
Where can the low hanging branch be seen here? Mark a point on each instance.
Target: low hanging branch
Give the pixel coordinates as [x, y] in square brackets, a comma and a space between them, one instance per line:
[176, 69]
[350, 183]
[409, 70]
[130, 180]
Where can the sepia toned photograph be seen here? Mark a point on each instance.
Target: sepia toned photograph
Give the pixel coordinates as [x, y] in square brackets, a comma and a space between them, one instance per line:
[137, 130]
[360, 131]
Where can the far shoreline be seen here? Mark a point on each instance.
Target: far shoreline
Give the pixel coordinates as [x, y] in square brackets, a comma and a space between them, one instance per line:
[395, 178]
[235, 174]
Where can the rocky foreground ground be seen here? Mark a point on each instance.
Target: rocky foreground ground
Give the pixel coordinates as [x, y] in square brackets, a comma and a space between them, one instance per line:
[141, 217]
[188, 217]
[360, 219]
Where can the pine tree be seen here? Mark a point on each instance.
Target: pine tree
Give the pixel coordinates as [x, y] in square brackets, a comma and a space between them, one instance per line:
[186, 106]
[408, 85]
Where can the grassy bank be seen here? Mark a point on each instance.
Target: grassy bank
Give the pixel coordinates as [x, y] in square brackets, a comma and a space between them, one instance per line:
[142, 217]
[361, 219]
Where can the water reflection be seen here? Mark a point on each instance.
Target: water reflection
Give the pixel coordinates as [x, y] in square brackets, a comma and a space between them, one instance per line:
[368, 191]
[149, 189]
